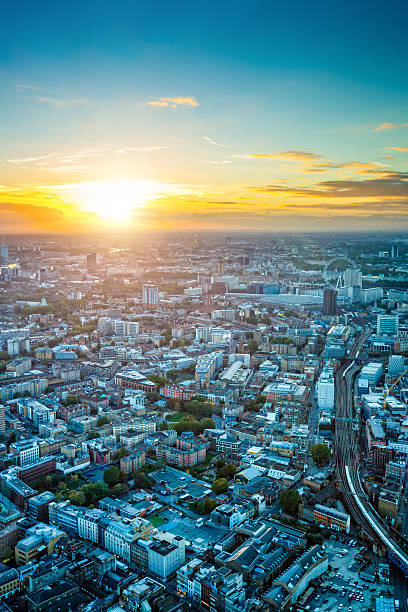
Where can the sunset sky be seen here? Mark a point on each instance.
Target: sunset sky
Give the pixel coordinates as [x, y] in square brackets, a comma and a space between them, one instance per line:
[229, 115]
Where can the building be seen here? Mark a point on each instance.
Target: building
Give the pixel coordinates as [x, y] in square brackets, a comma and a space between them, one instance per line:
[372, 372]
[329, 302]
[126, 328]
[396, 365]
[9, 581]
[325, 390]
[387, 325]
[164, 559]
[26, 451]
[133, 462]
[4, 252]
[331, 518]
[91, 264]
[150, 295]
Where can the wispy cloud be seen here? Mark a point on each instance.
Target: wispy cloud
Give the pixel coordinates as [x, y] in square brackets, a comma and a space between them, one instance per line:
[26, 86]
[381, 127]
[213, 142]
[60, 102]
[221, 162]
[398, 148]
[173, 102]
[298, 156]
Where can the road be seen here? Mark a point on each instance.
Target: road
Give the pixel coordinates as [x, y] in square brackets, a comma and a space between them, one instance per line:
[347, 455]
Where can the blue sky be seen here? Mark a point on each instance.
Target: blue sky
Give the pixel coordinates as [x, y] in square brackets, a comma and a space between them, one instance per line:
[87, 93]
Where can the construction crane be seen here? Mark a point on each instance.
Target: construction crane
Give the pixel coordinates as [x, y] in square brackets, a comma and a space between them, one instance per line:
[388, 389]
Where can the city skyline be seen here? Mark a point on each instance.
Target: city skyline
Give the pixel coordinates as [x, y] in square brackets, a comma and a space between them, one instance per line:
[235, 117]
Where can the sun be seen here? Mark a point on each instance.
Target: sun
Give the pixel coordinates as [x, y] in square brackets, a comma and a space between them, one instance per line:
[112, 201]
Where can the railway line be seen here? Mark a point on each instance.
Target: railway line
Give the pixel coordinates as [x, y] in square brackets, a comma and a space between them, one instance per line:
[347, 458]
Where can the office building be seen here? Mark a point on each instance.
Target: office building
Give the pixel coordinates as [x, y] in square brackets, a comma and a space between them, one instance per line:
[387, 325]
[330, 302]
[395, 251]
[325, 391]
[126, 328]
[396, 365]
[4, 251]
[164, 558]
[150, 295]
[91, 262]
[353, 278]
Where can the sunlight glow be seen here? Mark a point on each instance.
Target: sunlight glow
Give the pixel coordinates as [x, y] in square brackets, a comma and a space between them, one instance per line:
[113, 201]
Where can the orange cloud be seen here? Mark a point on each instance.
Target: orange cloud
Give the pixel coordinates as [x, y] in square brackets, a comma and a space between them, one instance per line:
[173, 102]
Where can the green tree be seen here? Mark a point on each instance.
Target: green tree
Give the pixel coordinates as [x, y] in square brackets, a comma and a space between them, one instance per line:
[220, 485]
[121, 453]
[252, 346]
[227, 471]
[320, 454]
[94, 492]
[103, 420]
[111, 475]
[208, 423]
[77, 498]
[289, 500]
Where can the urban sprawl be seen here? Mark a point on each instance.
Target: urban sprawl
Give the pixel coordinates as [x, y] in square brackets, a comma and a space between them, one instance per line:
[204, 422]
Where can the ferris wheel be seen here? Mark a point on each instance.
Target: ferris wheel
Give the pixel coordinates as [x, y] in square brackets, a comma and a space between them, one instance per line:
[334, 269]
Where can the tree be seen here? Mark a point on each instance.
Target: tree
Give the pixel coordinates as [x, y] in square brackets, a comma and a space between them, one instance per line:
[121, 453]
[320, 454]
[220, 485]
[252, 346]
[111, 475]
[289, 500]
[7, 553]
[153, 397]
[103, 420]
[77, 498]
[208, 423]
[227, 471]
[94, 492]
[141, 481]
[188, 424]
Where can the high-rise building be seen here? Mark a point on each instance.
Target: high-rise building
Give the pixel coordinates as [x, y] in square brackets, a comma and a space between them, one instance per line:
[395, 251]
[150, 295]
[91, 262]
[4, 251]
[2, 420]
[353, 277]
[329, 302]
[220, 267]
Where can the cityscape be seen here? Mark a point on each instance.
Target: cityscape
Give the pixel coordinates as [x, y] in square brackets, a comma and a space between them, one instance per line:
[204, 422]
[203, 306]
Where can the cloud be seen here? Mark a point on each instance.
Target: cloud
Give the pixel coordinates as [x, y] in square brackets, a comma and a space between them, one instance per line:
[393, 185]
[213, 142]
[398, 148]
[221, 162]
[61, 103]
[299, 156]
[173, 102]
[26, 86]
[385, 126]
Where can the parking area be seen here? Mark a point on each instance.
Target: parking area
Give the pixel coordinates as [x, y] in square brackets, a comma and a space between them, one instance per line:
[342, 589]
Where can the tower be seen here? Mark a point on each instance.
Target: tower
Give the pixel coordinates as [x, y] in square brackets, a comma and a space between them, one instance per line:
[329, 302]
[91, 262]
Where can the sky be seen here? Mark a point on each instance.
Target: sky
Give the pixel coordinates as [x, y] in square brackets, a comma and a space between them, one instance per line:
[191, 115]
